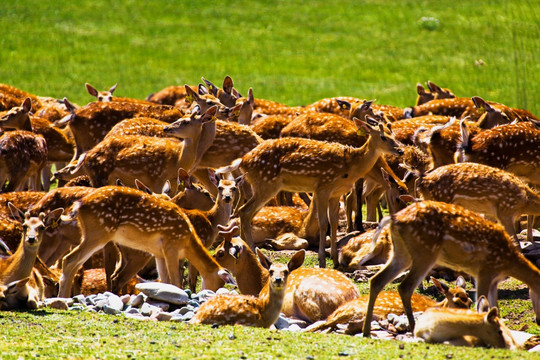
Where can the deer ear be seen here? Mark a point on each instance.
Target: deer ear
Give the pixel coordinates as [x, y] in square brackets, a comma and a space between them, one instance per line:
[236, 251]
[213, 177]
[166, 189]
[492, 315]
[211, 87]
[263, 259]
[16, 213]
[27, 105]
[120, 183]
[434, 87]
[251, 99]
[226, 276]
[441, 287]
[91, 90]
[296, 260]
[111, 90]
[461, 283]
[183, 178]
[142, 186]
[209, 115]
[240, 180]
[482, 305]
[191, 95]
[228, 84]
[53, 218]
[420, 89]
[343, 104]
[202, 90]
[363, 128]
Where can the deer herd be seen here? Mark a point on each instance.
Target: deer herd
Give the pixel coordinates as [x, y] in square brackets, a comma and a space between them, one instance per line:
[153, 182]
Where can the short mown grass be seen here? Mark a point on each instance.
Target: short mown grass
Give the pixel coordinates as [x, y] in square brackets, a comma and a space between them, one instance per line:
[290, 51]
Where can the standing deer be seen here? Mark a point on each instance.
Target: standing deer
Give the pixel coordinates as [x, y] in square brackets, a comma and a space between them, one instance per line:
[328, 170]
[481, 188]
[135, 219]
[247, 310]
[428, 233]
[312, 294]
[20, 264]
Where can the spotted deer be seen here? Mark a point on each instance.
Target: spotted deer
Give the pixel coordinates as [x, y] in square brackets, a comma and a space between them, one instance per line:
[312, 293]
[360, 250]
[23, 157]
[270, 126]
[483, 189]
[20, 264]
[227, 95]
[89, 124]
[60, 148]
[514, 148]
[247, 310]
[428, 233]
[328, 170]
[152, 160]
[11, 97]
[107, 95]
[174, 95]
[352, 313]
[465, 327]
[135, 219]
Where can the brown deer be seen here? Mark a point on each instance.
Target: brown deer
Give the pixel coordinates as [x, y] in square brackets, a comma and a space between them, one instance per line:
[352, 313]
[428, 233]
[89, 124]
[312, 294]
[174, 95]
[60, 148]
[23, 157]
[465, 327]
[328, 170]
[270, 126]
[11, 97]
[247, 310]
[434, 92]
[483, 189]
[228, 95]
[134, 219]
[125, 157]
[360, 250]
[514, 148]
[20, 264]
[107, 95]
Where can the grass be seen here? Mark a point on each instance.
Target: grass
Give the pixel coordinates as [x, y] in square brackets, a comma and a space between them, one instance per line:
[290, 51]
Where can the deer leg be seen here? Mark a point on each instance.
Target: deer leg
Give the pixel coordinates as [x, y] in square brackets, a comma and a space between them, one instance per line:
[333, 216]
[320, 200]
[192, 276]
[163, 273]
[111, 258]
[417, 273]
[132, 261]
[74, 260]
[508, 222]
[350, 201]
[202, 176]
[359, 188]
[487, 286]
[530, 223]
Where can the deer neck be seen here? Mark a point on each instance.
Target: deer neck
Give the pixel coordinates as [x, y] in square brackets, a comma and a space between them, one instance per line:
[364, 158]
[271, 302]
[524, 271]
[19, 265]
[251, 276]
[533, 204]
[189, 153]
[195, 148]
[219, 214]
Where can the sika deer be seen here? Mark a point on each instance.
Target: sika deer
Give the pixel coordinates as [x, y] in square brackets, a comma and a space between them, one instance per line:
[514, 148]
[352, 313]
[465, 327]
[312, 294]
[435, 92]
[107, 96]
[23, 155]
[261, 311]
[481, 188]
[427, 233]
[20, 264]
[133, 218]
[328, 170]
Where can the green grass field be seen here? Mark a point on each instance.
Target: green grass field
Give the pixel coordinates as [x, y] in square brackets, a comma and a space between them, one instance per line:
[291, 51]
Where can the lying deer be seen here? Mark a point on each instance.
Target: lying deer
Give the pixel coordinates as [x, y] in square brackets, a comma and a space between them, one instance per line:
[328, 170]
[107, 95]
[465, 327]
[353, 312]
[20, 265]
[428, 233]
[134, 219]
[312, 293]
[261, 311]
[434, 92]
[481, 188]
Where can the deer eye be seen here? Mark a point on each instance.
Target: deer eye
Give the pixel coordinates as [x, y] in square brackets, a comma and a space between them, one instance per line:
[271, 272]
[220, 253]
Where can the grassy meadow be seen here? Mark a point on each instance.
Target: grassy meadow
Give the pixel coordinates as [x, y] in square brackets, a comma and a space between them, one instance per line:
[294, 52]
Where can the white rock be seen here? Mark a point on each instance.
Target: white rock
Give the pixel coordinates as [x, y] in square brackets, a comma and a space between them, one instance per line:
[164, 292]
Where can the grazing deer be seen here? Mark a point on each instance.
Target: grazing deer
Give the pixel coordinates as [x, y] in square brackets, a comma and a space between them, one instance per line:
[514, 148]
[312, 294]
[483, 189]
[133, 218]
[353, 312]
[23, 157]
[361, 250]
[59, 147]
[89, 124]
[247, 310]
[328, 170]
[465, 327]
[20, 264]
[428, 233]
[434, 92]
